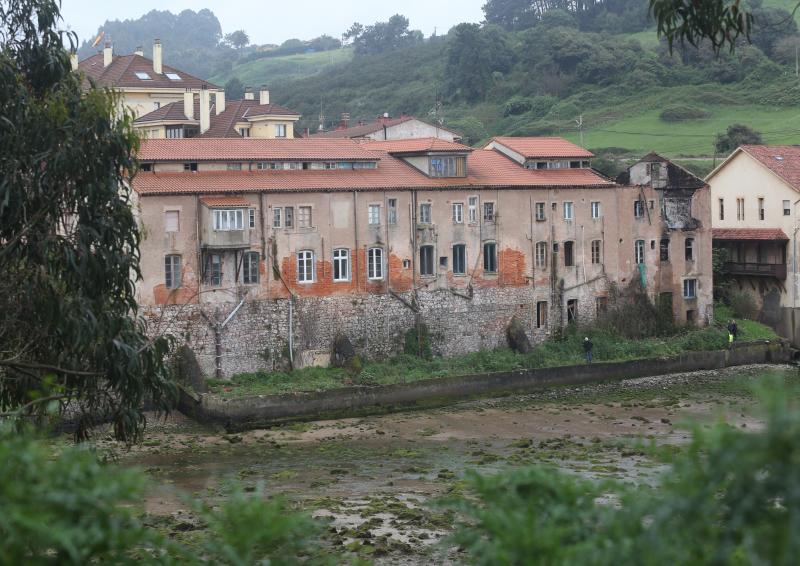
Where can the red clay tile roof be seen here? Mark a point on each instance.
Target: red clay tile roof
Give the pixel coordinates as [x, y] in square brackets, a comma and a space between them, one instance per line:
[416, 145]
[749, 234]
[122, 73]
[783, 160]
[253, 149]
[539, 147]
[485, 168]
[173, 112]
[222, 202]
[365, 129]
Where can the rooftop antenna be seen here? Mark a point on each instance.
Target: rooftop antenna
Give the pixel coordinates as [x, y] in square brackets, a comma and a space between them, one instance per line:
[321, 118]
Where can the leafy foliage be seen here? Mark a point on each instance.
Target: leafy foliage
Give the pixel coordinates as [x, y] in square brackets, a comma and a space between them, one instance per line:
[721, 22]
[681, 113]
[737, 134]
[69, 329]
[383, 36]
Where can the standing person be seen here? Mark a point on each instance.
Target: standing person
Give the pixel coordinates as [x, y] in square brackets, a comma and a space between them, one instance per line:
[587, 349]
[733, 331]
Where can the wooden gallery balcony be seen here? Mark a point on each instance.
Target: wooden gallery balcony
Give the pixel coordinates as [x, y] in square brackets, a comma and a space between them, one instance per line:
[777, 270]
[757, 252]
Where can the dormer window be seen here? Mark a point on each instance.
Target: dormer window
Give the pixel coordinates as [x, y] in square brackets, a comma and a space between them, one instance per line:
[448, 166]
[173, 76]
[142, 76]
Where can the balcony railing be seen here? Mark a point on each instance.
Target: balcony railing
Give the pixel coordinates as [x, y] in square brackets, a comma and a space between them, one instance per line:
[225, 239]
[777, 270]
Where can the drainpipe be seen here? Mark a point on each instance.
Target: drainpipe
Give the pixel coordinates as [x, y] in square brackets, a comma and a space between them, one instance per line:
[794, 260]
[291, 330]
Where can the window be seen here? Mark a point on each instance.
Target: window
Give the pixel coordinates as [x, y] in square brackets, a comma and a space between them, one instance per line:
[574, 164]
[425, 213]
[568, 211]
[722, 209]
[490, 257]
[141, 75]
[448, 166]
[786, 208]
[156, 105]
[459, 259]
[374, 214]
[304, 217]
[569, 254]
[540, 217]
[541, 254]
[251, 218]
[426, 260]
[739, 209]
[277, 213]
[172, 271]
[391, 212]
[250, 268]
[288, 217]
[443, 263]
[664, 250]
[638, 251]
[595, 210]
[596, 251]
[331, 165]
[190, 167]
[572, 311]
[174, 132]
[305, 266]
[472, 204]
[375, 263]
[761, 208]
[146, 166]
[541, 314]
[690, 288]
[341, 264]
[689, 249]
[172, 221]
[488, 212]
[600, 306]
[458, 212]
[234, 166]
[173, 76]
[244, 132]
[214, 270]
[690, 314]
[638, 209]
[226, 220]
[280, 130]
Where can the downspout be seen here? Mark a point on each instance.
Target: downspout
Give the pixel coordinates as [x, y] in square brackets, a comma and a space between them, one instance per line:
[387, 260]
[583, 253]
[356, 267]
[199, 252]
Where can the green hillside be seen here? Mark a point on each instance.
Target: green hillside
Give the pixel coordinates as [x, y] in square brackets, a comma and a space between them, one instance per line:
[271, 70]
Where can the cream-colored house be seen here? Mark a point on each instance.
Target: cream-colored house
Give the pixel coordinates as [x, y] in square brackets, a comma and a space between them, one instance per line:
[755, 195]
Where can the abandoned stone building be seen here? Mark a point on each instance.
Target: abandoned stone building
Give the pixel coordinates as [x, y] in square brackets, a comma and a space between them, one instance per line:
[258, 250]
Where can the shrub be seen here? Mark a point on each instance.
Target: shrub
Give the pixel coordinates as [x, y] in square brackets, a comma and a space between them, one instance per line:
[517, 105]
[417, 342]
[683, 113]
[742, 304]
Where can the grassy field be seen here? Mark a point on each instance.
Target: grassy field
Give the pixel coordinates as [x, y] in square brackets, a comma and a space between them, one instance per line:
[289, 67]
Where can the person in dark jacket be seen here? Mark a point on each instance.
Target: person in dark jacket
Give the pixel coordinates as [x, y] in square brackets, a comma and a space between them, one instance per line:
[587, 349]
[733, 330]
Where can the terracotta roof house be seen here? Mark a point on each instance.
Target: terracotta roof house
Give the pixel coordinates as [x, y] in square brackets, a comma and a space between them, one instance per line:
[387, 128]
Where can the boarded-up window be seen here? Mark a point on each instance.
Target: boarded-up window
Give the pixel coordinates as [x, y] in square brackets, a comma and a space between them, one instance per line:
[172, 221]
[304, 217]
[541, 314]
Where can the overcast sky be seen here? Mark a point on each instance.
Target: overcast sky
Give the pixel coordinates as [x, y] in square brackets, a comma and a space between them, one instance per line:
[303, 19]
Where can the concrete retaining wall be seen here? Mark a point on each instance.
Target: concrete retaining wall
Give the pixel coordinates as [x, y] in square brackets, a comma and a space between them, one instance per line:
[253, 412]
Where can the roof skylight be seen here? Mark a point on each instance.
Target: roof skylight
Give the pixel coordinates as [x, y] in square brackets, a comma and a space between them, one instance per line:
[143, 76]
[173, 76]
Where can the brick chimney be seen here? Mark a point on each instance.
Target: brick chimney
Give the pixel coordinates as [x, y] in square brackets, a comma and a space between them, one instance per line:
[263, 95]
[139, 51]
[219, 101]
[205, 111]
[188, 103]
[157, 62]
[248, 93]
[108, 54]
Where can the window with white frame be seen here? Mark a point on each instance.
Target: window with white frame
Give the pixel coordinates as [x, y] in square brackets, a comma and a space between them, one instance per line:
[459, 259]
[288, 217]
[172, 271]
[426, 265]
[638, 208]
[425, 213]
[739, 209]
[305, 266]
[244, 132]
[251, 218]
[391, 211]
[786, 208]
[488, 212]
[374, 214]
[227, 220]
[277, 217]
[690, 288]
[597, 246]
[304, 217]
[472, 206]
[541, 254]
[595, 210]
[172, 221]
[250, 268]
[375, 263]
[540, 212]
[341, 264]
[638, 251]
[689, 249]
[490, 257]
[280, 130]
[569, 212]
[458, 212]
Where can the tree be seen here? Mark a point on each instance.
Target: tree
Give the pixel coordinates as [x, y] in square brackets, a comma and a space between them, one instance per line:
[737, 134]
[234, 89]
[474, 54]
[383, 36]
[237, 39]
[721, 22]
[70, 332]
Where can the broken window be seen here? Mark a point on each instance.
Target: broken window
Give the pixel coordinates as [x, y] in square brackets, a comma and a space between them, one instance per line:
[341, 264]
[595, 210]
[473, 209]
[569, 254]
[250, 268]
[689, 249]
[541, 314]
[540, 212]
[375, 263]
[488, 212]
[458, 212]
[425, 213]
[664, 250]
[304, 217]
[374, 214]
[541, 254]
[596, 251]
[305, 266]
[288, 217]
[459, 259]
[172, 221]
[638, 251]
[572, 311]
[277, 214]
[391, 211]
[568, 211]
[172, 271]
[638, 208]
[600, 306]
[690, 288]
[490, 257]
[722, 209]
[426, 266]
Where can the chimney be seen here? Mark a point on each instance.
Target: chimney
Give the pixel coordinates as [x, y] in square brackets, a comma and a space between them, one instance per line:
[248, 93]
[157, 56]
[263, 95]
[220, 101]
[108, 54]
[205, 111]
[139, 51]
[73, 60]
[188, 103]
[385, 118]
